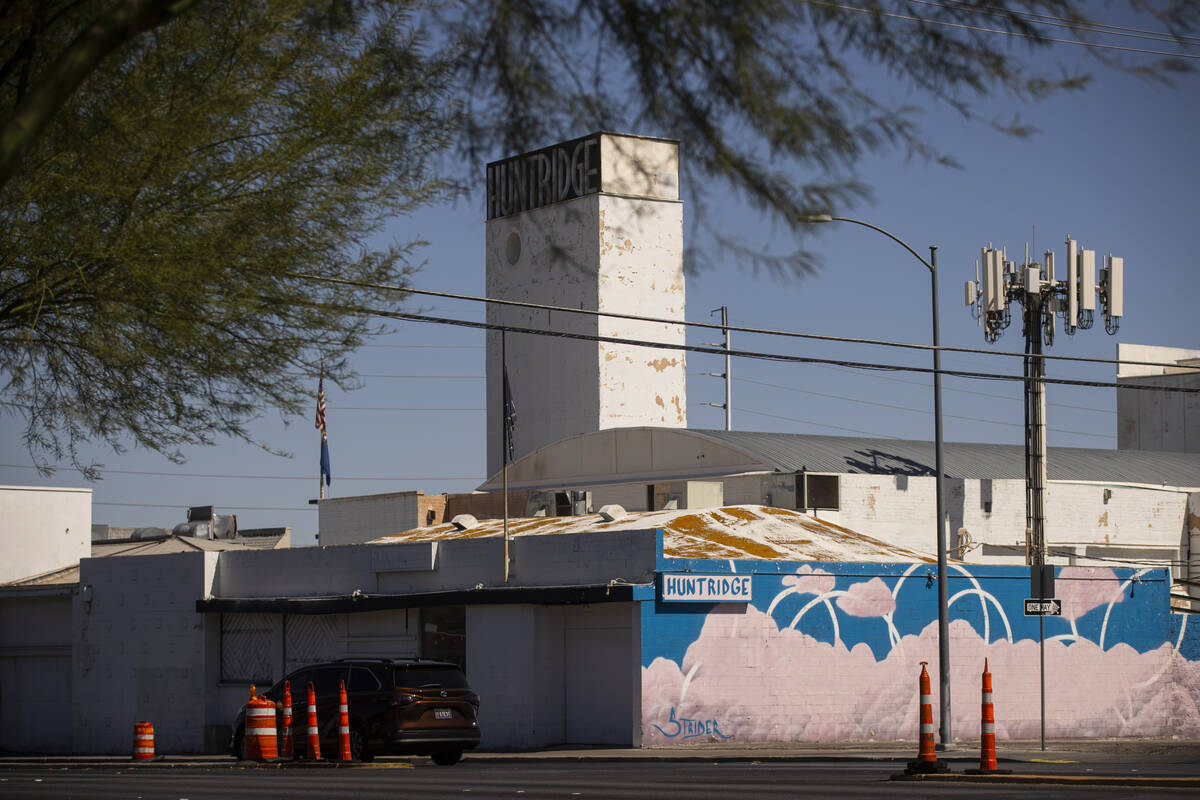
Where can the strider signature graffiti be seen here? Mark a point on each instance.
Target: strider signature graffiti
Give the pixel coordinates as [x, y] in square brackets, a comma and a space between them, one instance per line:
[684, 728]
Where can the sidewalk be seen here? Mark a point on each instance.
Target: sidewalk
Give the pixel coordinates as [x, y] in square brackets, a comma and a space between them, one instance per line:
[1097, 761]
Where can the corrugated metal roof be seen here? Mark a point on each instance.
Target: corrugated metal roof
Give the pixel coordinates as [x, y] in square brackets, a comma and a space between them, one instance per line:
[739, 532]
[789, 452]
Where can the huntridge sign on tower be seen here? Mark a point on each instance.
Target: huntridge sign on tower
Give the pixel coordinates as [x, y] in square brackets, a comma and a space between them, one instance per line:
[596, 224]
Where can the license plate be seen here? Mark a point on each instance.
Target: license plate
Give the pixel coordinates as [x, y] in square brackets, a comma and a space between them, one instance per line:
[441, 713]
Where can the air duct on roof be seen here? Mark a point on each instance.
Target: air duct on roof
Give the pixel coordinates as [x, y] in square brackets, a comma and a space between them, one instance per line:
[464, 522]
[612, 512]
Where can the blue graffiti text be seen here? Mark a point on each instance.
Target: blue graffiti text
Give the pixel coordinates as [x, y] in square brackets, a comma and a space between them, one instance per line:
[684, 728]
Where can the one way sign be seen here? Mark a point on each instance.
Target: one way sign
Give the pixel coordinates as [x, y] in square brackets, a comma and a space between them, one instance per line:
[1051, 607]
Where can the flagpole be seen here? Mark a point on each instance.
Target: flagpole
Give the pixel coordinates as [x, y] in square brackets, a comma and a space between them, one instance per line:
[320, 420]
[504, 448]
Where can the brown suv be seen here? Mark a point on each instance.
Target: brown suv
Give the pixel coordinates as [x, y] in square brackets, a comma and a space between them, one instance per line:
[397, 707]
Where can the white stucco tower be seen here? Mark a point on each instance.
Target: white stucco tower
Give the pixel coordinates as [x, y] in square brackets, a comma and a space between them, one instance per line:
[596, 224]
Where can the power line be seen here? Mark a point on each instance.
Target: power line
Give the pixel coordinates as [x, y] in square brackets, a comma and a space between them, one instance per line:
[713, 326]
[1062, 22]
[1002, 32]
[1132, 562]
[817, 424]
[779, 357]
[966, 391]
[424, 377]
[188, 505]
[391, 408]
[926, 412]
[426, 346]
[250, 477]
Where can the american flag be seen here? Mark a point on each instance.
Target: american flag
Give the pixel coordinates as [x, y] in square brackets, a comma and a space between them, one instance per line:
[321, 406]
[326, 472]
[510, 419]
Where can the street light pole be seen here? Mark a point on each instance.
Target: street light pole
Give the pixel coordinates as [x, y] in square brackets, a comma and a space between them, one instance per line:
[940, 503]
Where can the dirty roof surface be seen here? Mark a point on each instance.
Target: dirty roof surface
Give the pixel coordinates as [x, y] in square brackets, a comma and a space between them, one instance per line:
[738, 532]
[789, 452]
[146, 547]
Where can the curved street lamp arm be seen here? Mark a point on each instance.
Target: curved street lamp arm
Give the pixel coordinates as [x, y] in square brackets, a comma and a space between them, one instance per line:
[888, 234]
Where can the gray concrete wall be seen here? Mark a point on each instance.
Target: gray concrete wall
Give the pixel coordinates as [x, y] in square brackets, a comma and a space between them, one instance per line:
[435, 566]
[550, 675]
[348, 520]
[1150, 420]
[35, 672]
[141, 651]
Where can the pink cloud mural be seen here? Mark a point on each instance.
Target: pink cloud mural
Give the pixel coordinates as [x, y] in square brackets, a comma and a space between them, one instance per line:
[870, 599]
[810, 581]
[1083, 588]
[747, 680]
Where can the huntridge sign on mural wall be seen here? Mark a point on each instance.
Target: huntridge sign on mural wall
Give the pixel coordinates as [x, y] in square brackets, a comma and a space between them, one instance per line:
[832, 652]
[706, 588]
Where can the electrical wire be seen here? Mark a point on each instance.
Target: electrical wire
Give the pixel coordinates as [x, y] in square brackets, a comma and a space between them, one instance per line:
[1062, 22]
[959, 391]
[1001, 31]
[923, 411]
[389, 408]
[777, 357]
[717, 326]
[817, 424]
[426, 346]
[1132, 562]
[251, 477]
[188, 505]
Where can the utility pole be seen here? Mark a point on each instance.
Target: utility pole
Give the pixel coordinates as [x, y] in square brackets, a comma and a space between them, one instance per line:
[727, 375]
[1042, 297]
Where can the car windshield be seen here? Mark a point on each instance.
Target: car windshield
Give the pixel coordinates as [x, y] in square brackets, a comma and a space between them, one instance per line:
[434, 677]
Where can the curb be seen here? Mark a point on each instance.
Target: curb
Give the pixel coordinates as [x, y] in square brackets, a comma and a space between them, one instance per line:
[1074, 780]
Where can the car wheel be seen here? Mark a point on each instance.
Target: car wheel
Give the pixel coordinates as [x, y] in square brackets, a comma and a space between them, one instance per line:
[358, 745]
[239, 745]
[447, 758]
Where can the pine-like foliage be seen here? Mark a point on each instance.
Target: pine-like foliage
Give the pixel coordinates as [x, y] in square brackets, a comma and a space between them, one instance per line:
[150, 243]
[169, 167]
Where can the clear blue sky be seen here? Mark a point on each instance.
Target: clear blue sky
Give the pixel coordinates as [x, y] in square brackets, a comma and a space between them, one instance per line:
[1115, 167]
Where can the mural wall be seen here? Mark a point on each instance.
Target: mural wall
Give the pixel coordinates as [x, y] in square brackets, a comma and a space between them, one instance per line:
[832, 652]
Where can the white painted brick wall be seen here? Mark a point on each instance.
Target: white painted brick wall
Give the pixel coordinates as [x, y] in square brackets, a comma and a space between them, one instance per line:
[603, 251]
[43, 528]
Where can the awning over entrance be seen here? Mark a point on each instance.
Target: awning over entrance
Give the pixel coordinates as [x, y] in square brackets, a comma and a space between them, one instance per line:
[358, 602]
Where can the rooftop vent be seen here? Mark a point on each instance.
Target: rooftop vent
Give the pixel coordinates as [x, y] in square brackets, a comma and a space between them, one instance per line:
[612, 512]
[464, 522]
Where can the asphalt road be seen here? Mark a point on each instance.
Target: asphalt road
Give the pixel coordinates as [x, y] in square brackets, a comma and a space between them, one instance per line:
[536, 779]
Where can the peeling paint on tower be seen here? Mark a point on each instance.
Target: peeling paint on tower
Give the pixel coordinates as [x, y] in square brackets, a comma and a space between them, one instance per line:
[608, 237]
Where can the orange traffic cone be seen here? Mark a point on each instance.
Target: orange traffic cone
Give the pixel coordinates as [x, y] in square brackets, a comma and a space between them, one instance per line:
[343, 724]
[143, 741]
[250, 750]
[287, 746]
[987, 726]
[987, 729]
[314, 739]
[927, 760]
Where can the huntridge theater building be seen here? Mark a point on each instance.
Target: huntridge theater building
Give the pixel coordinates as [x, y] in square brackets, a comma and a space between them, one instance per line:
[747, 588]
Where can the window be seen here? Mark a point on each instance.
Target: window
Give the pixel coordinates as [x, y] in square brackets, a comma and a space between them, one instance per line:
[814, 491]
[418, 677]
[444, 634]
[362, 680]
[249, 648]
[664, 496]
[326, 679]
